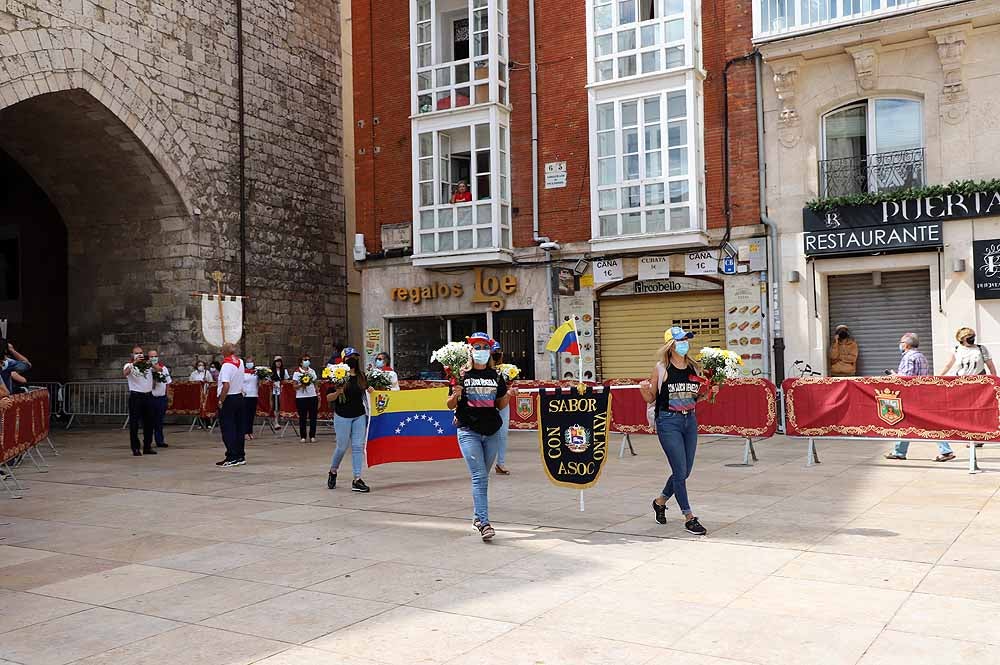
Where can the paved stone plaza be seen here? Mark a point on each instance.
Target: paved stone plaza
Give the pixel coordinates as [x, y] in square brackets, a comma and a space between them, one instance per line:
[111, 559]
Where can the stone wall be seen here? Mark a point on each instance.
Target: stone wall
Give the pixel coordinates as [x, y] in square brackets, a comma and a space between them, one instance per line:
[125, 114]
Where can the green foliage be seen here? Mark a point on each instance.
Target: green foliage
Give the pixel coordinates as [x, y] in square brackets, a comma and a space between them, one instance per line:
[965, 187]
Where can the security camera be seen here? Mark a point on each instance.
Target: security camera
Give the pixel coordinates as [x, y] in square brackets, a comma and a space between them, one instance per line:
[549, 246]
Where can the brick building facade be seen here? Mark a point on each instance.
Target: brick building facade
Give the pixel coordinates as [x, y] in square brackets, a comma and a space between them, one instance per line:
[391, 112]
[123, 117]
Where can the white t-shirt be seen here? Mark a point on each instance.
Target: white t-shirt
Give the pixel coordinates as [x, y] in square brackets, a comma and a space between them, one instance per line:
[970, 361]
[202, 376]
[233, 375]
[250, 384]
[307, 391]
[160, 389]
[138, 382]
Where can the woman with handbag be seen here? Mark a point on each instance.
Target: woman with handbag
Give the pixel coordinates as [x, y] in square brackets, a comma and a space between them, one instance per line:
[968, 358]
[675, 387]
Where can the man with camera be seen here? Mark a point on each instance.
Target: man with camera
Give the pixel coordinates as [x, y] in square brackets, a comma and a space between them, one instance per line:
[139, 373]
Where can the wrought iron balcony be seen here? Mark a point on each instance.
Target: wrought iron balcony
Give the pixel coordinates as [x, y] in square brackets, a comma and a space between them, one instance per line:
[775, 19]
[881, 172]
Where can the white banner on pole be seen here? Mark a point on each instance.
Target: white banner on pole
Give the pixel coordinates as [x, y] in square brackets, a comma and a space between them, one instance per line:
[216, 318]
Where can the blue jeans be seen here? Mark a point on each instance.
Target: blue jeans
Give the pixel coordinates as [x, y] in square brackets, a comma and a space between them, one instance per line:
[678, 434]
[901, 447]
[504, 429]
[479, 451]
[350, 431]
[159, 413]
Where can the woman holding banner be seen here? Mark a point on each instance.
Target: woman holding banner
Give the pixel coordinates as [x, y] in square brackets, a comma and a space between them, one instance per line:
[675, 388]
[476, 398]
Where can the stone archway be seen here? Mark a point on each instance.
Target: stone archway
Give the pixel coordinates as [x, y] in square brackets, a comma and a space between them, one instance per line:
[133, 249]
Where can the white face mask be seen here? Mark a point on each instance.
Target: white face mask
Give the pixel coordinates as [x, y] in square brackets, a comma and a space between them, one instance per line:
[250, 365]
[481, 356]
[201, 368]
[379, 363]
[154, 359]
[306, 363]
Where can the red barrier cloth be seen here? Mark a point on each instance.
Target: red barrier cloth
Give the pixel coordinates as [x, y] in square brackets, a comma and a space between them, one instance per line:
[24, 422]
[743, 407]
[209, 401]
[265, 401]
[524, 407]
[955, 408]
[184, 398]
[286, 402]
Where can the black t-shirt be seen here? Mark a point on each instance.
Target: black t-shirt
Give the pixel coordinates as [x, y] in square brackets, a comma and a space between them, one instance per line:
[477, 410]
[353, 405]
[677, 392]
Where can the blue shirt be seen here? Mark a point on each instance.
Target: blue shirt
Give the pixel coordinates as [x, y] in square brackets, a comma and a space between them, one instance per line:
[913, 363]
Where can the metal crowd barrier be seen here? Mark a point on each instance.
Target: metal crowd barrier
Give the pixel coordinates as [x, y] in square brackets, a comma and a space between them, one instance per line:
[95, 398]
[55, 395]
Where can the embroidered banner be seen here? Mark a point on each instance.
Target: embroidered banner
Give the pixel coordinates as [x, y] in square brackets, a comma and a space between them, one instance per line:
[955, 408]
[24, 422]
[573, 434]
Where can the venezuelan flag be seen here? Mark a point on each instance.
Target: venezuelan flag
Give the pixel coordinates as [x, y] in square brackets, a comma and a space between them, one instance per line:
[564, 339]
[411, 426]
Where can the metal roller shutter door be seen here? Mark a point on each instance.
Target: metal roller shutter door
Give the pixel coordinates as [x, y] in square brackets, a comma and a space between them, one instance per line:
[632, 328]
[879, 315]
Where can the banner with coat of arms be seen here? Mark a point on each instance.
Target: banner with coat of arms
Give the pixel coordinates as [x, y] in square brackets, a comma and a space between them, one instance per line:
[573, 431]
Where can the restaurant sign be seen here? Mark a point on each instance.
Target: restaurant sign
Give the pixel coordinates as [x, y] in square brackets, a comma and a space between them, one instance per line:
[873, 240]
[488, 289]
[942, 207]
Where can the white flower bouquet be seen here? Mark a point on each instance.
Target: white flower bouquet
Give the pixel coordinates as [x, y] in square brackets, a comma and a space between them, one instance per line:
[720, 365]
[508, 371]
[338, 375]
[263, 373]
[453, 356]
[378, 379]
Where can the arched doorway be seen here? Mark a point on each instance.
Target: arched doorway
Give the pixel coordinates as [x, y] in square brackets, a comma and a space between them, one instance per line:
[92, 209]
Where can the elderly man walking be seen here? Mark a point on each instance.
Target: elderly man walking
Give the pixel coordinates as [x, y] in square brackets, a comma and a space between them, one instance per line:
[914, 363]
[230, 391]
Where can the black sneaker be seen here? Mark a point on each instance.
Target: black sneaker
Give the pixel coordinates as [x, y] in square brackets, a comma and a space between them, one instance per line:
[222, 463]
[661, 512]
[148, 451]
[241, 461]
[487, 532]
[230, 463]
[136, 453]
[331, 480]
[695, 527]
[162, 445]
[359, 486]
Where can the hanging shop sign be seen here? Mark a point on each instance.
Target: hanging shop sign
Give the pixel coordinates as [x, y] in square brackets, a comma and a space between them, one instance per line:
[653, 267]
[925, 209]
[871, 240]
[489, 289]
[986, 272]
[704, 262]
[573, 434]
[608, 270]
[664, 286]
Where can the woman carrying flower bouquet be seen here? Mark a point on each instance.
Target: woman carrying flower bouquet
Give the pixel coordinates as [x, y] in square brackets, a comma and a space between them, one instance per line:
[477, 398]
[306, 401]
[675, 387]
[382, 363]
[350, 422]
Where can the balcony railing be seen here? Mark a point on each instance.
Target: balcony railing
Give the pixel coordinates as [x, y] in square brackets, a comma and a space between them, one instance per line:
[880, 172]
[774, 19]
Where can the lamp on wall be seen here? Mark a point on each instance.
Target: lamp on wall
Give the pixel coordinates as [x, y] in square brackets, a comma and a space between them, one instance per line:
[958, 265]
[581, 267]
[793, 276]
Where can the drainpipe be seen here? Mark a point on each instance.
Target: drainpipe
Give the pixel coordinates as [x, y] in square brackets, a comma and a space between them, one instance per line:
[537, 239]
[241, 115]
[774, 274]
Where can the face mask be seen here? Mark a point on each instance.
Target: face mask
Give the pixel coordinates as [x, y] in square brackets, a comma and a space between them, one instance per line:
[201, 368]
[379, 363]
[154, 359]
[481, 356]
[902, 348]
[682, 348]
[249, 365]
[970, 340]
[305, 363]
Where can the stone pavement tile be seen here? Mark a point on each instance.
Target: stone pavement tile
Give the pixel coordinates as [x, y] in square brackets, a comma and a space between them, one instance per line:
[532, 645]
[190, 645]
[143, 547]
[639, 618]
[12, 556]
[79, 635]
[823, 601]
[300, 514]
[298, 617]
[471, 555]
[862, 571]
[882, 546]
[971, 583]
[115, 584]
[709, 555]
[56, 568]
[979, 548]
[388, 544]
[297, 569]
[566, 569]
[233, 529]
[682, 583]
[18, 609]
[408, 635]
[761, 531]
[771, 639]
[906, 512]
[509, 599]
[310, 656]
[338, 498]
[949, 617]
[200, 599]
[896, 648]
[913, 529]
[308, 536]
[391, 582]
[216, 558]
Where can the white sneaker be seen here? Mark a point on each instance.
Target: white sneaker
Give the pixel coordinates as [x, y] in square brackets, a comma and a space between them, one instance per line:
[302, 440]
[312, 440]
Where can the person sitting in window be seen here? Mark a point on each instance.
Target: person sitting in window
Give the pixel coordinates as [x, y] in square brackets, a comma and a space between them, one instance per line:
[462, 193]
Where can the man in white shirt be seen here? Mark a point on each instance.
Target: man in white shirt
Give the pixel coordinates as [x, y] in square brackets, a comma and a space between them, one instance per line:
[230, 391]
[159, 396]
[140, 402]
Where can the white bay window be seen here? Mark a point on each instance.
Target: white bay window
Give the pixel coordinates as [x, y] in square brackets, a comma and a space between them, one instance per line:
[639, 37]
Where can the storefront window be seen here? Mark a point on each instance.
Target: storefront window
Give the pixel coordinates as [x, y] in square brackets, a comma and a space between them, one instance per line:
[413, 341]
